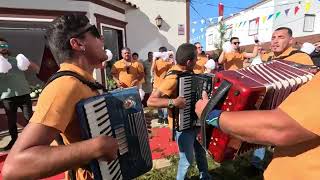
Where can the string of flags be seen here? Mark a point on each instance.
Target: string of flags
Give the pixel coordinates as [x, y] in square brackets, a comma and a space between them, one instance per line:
[286, 13]
[291, 11]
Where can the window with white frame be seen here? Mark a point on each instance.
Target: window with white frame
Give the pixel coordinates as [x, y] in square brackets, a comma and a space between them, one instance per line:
[308, 25]
[253, 27]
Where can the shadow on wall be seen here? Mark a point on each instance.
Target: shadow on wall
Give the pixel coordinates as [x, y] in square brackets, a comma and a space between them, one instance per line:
[144, 36]
[165, 26]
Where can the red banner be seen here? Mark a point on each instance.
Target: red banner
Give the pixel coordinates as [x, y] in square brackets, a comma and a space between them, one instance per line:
[221, 7]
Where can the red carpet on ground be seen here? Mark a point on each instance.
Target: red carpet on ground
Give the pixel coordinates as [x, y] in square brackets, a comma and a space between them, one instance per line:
[161, 143]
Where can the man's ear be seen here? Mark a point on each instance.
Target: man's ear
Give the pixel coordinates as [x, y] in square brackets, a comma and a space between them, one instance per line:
[76, 44]
[291, 40]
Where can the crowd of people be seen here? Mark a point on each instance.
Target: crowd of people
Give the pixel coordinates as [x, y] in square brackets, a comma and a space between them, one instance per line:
[293, 127]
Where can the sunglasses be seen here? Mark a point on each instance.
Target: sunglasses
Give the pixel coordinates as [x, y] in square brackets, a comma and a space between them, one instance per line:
[91, 29]
[235, 43]
[5, 46]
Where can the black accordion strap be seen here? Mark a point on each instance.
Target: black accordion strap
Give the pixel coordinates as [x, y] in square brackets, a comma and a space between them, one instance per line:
[92, 85]
[215, 99]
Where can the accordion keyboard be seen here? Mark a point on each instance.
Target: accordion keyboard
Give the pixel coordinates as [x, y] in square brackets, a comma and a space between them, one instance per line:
[185, 88]
[118, 114]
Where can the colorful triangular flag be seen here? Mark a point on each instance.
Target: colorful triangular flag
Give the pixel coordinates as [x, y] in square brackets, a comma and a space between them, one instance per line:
[308, 6]
[277, 14]
[240, 24]
[264, 18]
[287, 11]
[257, 20]
[244, 23]
[296, 9]
[270, 16]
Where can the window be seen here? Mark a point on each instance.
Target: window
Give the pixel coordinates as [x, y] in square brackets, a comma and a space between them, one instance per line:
[253, 27]
[308, 25]
[210, 39]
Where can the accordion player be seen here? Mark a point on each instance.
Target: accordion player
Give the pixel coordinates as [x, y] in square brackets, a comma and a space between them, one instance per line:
[190, 86]
[262, 86]
[118, 114]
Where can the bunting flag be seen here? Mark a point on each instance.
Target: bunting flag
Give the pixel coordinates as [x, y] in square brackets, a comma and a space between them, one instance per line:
[257, 20]
[220, 9]
[210, 19]
[270, 16]
[308, 6]
[264, 18]
[244, 23]
[193, 30]
[202, 21]
[194, 22]
[240, 24]
[296, 9]
[201, 29]
[277, 14]
[287, 11]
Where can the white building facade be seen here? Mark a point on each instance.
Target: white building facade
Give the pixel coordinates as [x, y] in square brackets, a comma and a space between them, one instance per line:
[261, 19]
[123, 23]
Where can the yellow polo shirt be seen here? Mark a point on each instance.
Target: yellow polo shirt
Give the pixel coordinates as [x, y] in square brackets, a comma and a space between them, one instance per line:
[301, 58]
[169, 88]
[300, 161]
[161, 67]
[128, 75]
[199, 66]
[56, 108]
[233, 60]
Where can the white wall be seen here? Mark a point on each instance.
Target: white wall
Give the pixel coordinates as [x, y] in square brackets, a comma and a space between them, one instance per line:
[296, 22]
[265, 27]
[64, 5]
[142, 33]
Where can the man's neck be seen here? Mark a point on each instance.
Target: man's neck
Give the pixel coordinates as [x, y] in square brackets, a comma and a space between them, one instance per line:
[127, 60]
[83, 64]
[279, 53]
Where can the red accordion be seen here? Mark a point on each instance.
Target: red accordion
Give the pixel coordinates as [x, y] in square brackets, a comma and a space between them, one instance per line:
[262, 86]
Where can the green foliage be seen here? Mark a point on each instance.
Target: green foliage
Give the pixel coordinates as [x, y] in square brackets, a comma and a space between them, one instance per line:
[222, 32]
[238, 169]
[110, 84]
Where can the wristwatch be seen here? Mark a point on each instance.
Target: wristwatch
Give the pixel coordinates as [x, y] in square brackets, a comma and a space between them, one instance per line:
[170, 104]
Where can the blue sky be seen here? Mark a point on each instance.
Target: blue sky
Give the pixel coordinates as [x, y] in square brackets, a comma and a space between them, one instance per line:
[209, 9]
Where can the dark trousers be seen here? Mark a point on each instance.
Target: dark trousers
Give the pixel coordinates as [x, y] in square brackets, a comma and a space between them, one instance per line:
[11, 107]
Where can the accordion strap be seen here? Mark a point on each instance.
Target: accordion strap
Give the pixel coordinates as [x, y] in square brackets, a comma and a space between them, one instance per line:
[215, 99]
[92, 85]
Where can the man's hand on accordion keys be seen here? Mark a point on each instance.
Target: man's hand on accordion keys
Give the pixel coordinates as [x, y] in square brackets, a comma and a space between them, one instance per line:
[107, 148]
[179, 102]
[201, 104]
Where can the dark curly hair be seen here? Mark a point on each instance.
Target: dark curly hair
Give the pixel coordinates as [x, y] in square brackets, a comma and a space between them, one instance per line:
[61, 30]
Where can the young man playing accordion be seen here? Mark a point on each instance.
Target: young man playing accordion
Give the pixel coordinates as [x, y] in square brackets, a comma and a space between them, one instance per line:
[79, 47]
[166, 96]
[293, 127]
